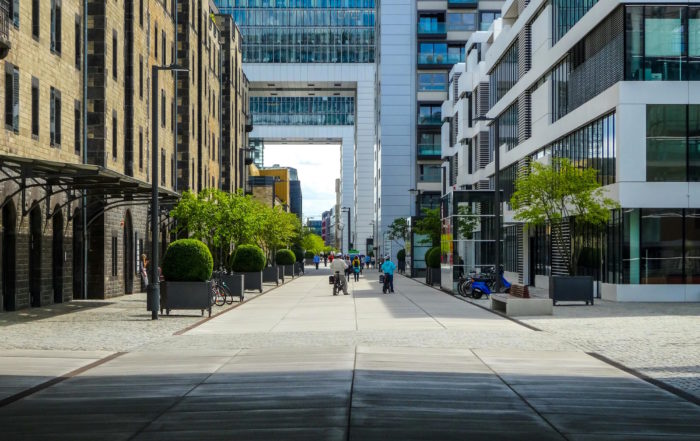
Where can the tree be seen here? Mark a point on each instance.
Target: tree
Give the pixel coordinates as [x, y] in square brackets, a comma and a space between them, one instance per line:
[430, 225]
[313, 242]
[466, 222]
[559, 193]
[398, 231]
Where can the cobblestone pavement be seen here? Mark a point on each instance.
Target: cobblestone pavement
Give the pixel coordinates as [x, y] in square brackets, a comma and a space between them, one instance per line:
[119, 324]
[660, 340]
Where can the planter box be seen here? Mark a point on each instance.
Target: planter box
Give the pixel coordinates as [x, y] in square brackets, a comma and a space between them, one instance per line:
[271, 274]
[253, 281]
[308, 261]
[235, 284]
[571, 288]
[432, 276]
[299, 269]
[280, 270]
[289, 270]
[186, 295]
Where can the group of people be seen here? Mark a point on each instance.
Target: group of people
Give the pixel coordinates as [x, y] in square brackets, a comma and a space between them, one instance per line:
[347, 265]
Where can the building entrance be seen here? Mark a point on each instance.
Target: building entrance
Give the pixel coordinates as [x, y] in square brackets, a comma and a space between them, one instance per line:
[129, 255]
[57, 257]
[9, 236]
[35, 257]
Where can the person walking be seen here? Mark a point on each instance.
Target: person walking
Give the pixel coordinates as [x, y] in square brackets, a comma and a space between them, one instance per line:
[368, 260]
[339, 266]
[356, 268]
[388, 269]
[325, 260]
[317, 260]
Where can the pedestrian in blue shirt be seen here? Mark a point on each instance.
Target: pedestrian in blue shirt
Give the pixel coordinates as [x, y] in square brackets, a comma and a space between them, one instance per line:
[317, 260]
[388, 269]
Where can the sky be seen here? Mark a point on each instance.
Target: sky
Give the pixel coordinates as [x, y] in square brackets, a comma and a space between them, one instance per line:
[318, 167]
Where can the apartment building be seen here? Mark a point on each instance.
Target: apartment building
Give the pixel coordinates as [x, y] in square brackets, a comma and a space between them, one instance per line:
[611, 86]
[76, 152]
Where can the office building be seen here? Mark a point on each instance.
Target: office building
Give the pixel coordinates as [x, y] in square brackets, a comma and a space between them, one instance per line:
[76, 151]
[610, 86]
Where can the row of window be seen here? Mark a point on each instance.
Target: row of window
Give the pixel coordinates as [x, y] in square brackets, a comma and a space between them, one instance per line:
[308, 54]
[321, 4]
[507, 127]
[504, 75]
[303, 17]
[315, 111]
[673, 143]
[439, 23]
[313, 36]
[440, 53]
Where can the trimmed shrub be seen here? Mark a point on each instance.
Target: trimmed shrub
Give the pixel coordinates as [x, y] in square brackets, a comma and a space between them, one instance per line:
[187, 260]
[432, 257]
[401, 255]
[309, 255]
[247, 259]
[298, 252]
[285, 257]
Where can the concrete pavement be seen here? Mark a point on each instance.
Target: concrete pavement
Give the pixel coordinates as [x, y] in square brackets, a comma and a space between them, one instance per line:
[298, 363]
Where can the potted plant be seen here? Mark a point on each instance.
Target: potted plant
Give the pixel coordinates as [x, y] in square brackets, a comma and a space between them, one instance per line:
[308, 258]
[286, 258]
[432, 262]
[249, 261]
[187, 268]
[565, 198]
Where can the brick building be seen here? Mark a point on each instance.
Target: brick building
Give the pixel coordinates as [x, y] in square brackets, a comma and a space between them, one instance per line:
[76, 148]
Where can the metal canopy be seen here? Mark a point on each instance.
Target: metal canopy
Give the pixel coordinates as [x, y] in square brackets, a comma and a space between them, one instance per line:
[72, 179]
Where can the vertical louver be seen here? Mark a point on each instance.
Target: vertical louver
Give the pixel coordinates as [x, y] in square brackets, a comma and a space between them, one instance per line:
[483, 104]
[524, 117]
[524, 51]
[559, 267]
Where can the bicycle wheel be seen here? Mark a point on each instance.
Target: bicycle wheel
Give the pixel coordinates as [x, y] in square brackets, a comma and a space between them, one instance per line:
[220, 296]
[228, 297]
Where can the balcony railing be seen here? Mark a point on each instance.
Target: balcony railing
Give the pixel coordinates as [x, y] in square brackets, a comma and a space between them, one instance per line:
[463, 3]
[439, 59]
[429, 150]
[431, 177]
[430, 120]
[431, 28]
[4, 28]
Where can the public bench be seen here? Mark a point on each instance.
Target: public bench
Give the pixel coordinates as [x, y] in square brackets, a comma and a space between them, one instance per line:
[519, 303]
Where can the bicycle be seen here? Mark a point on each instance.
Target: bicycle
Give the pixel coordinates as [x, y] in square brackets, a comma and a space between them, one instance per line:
[220, 293]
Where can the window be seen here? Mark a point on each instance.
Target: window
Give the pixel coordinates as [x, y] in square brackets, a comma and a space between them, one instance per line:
[55, 117]
[162, 166]
[56, 26]
[36, 19]
[141, 77]
[11, 97]
[432, 82]
[162, 108]
[162, 49]
[35, 108]
[155, 38]
[141, 13]
[77, 134]
[433, 53]
[140, 148]
[673, 143]
[429, 144]
[172, 116]
[504, 74]
[115, 51]
[114, 135]
[431, 23]
[486, 18]
[430, 114]
[462, 21]
[14, 12]
[430, 173]
[115, 256]
[78, 42]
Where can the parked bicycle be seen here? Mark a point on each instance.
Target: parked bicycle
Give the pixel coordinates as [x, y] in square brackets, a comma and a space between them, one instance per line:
[220, 293]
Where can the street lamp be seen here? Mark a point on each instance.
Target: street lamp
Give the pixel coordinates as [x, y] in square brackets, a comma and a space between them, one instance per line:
[344, 209]
[496, 196]
[153, 303]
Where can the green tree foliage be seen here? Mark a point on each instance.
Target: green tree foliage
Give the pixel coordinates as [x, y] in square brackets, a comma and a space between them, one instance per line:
[248, 259]
[430, 225]
[187, 260]
[313, 242]
[558, 193]
[466, 222]
[398, 231]
[432, 257]
[285, 257]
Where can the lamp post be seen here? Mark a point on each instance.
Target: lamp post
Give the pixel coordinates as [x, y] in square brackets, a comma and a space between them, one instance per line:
[347, 209]
[496, 197]
[153, 303]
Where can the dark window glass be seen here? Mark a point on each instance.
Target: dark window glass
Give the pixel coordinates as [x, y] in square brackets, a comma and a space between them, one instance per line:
[114, 256]
[78, 42]
[56, 26]
[162, 108]
[664, 42]
[141, 13]
[55, 117]
[115, 50]
[504, 75]
[430, 114]
[566, 13]
[162, 166]
[140, 149]
[36, 22]
[140, 76]
[692, 246]
[666, 142]
[77, 134]
[661, 250]
[694, 44]
[11, 98]
[114, 135]
[35, 107]
[694, 143]
[634, 40]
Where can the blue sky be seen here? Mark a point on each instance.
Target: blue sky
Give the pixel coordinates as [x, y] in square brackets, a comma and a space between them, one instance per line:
[318, 167]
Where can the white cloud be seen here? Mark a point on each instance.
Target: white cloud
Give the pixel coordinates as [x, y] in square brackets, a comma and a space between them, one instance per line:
[318, 167]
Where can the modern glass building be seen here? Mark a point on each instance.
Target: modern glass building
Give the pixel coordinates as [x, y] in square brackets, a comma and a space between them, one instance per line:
[582, 71]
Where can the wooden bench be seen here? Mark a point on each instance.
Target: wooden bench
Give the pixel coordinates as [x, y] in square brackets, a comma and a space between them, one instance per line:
[517, 306]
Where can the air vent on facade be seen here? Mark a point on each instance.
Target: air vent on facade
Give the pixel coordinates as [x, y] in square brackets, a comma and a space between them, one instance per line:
[483, 104]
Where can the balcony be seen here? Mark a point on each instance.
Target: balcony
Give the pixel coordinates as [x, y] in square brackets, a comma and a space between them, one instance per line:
[462, 3]
[429, 151]
[434, 119]
[434, 175]
[431, 29]
[4, 28]
[440, 59]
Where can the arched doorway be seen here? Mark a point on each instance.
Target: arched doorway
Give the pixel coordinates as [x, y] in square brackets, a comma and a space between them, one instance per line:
[57, 257]
[35, 257]
[77, 255]
[129, 255]
[9, 253]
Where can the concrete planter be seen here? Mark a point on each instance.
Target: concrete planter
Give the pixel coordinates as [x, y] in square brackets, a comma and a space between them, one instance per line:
[289, 270]
[253, 281]
[571, 288]
[186, 295]
[298, 269]
[271, 275]
[235, 284]
[432, 276]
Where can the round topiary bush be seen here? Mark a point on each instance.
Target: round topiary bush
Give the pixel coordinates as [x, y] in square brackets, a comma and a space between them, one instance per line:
[308, 255]
[285, 257]
[401, 255]
[432, 258]
[298, 252]
[187, 260]
[247, 259]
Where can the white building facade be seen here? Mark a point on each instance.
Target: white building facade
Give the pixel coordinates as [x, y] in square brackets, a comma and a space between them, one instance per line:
[609, 85]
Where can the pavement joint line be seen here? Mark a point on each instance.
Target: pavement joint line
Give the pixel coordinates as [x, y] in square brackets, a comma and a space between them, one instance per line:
[500, 314]
[522, 398]
[352, 389]
[426, 312]
[54, 381]
[206, 319]
[182, 397]
[660, 384]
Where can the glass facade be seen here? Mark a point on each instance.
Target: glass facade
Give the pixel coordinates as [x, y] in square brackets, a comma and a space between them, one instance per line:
[673, 143]
[566, 13]
[429, 144]
[662, 43]
[504, 75]
[486, 18]
[508, 127]
[440, 53]
[461, 21]
[432, 82]
[305, 31]
[303, 111]
[430, 114]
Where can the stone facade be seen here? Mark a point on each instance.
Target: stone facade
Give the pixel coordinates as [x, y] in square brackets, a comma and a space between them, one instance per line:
[42, 259]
